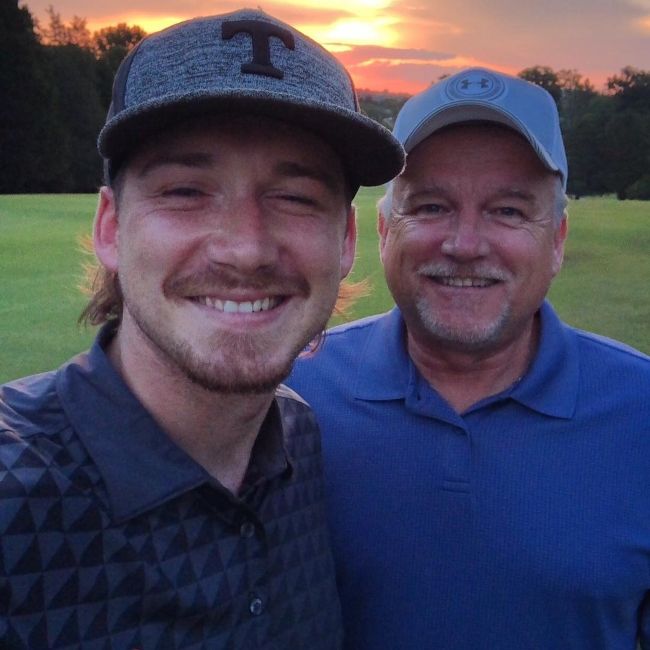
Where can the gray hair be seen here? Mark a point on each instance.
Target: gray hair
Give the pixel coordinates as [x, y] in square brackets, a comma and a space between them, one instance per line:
[561, 201]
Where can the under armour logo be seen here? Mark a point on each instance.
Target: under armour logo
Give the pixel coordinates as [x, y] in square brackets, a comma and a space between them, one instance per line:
[466, 83]
[480, 85]
[260, 33]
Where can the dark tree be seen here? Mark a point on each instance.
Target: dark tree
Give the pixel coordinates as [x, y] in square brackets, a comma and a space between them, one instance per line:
[58, 33]
[628, 133]
[632, 88]
[29, 134]
[627, 137]
[545, 77]
[111, 45]
[80, 113]
[586, 146]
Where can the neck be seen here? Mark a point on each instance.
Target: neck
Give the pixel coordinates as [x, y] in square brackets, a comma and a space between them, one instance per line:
[464, 378]
[217, 430]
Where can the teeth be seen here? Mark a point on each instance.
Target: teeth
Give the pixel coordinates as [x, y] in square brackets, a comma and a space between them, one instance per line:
[232, 307]
[466, 282]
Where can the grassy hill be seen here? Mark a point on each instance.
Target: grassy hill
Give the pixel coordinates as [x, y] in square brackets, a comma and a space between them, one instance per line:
[603, 286]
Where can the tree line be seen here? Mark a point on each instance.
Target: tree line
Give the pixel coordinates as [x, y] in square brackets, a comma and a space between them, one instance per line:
[55, 85]
[55, 88]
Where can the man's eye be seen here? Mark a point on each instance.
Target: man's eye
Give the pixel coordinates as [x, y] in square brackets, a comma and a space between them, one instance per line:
[429, 209]
[509, 212]
[298, 198]
[302, 200]
[183, 192]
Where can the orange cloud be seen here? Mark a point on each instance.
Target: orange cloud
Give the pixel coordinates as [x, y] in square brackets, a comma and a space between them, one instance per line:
[403, 45]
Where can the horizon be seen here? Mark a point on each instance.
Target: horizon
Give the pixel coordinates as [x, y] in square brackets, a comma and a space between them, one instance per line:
[402, 46]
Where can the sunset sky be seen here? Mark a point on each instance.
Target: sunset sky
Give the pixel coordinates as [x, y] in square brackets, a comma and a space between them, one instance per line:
[403, 45]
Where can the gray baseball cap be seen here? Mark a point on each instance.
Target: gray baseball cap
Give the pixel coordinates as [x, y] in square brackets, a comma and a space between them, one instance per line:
[245, 62]
[486, 95]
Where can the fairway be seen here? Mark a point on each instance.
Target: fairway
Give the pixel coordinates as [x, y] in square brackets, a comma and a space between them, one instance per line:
[603, 286]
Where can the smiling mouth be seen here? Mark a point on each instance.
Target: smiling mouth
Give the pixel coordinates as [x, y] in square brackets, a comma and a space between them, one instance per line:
[463, 282]
[245, 307]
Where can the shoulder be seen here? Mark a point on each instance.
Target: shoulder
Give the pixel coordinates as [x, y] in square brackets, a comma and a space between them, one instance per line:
[31, 421]
[353, 331]
[613, 376]
[354, 354]
[608, 352]
[30, 404]
[342, 345]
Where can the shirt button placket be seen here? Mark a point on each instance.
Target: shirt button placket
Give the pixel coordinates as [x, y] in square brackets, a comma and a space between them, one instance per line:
[256, 606]
[247, 529]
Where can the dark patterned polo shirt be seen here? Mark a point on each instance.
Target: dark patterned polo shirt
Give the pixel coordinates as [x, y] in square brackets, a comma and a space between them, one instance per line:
[111, 537]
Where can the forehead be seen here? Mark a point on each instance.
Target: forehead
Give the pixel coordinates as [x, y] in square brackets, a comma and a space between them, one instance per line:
[475, 150]
[250, 136]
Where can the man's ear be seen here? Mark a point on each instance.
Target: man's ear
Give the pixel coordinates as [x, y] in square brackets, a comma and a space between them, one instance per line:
[105, 229]
[559, 238]
[382, 230]
[349, 243]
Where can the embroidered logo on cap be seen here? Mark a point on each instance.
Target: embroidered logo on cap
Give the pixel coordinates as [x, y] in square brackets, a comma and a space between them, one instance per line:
[475, 84]
[260, 33]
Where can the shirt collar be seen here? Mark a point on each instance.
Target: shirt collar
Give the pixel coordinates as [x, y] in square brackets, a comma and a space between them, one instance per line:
[550, 386]
[141, 467]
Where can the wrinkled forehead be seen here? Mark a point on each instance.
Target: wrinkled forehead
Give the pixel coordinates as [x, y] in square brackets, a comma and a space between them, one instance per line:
[474, 147]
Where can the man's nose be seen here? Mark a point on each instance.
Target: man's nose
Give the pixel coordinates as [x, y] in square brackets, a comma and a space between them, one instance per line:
[466, 237]
[243, 236]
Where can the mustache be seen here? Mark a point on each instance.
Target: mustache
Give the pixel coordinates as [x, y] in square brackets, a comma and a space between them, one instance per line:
[455, 270]
[214, 278]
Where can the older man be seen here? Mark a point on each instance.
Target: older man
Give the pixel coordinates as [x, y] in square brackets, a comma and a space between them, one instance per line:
[486, 464]
[160, 491]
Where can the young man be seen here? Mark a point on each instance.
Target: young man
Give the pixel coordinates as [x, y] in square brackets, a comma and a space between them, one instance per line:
[486, 465]
[160, 491]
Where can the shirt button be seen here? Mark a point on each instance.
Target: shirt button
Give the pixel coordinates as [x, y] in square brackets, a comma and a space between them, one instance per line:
[256, 606]
[247, 529]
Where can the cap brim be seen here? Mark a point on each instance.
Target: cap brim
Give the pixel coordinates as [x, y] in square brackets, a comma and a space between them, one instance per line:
[474, 111]
[369, 152]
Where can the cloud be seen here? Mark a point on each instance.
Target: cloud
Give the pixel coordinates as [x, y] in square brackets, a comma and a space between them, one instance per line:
[119, 10]
[356, 54]
[418, 39]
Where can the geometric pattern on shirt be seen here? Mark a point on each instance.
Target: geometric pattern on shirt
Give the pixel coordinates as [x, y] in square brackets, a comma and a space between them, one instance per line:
[186, 574]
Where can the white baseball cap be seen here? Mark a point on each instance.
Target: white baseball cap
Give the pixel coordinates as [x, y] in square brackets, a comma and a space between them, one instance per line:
[486, 95]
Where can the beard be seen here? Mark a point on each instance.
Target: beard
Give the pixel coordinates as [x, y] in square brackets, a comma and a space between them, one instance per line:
[475, 338]
[472, 334]
[241, 369]
[243, 363]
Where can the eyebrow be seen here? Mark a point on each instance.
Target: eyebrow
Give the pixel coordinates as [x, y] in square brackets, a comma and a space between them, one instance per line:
[298, 170]
[514, 193]
[204, 160]
[193, 159]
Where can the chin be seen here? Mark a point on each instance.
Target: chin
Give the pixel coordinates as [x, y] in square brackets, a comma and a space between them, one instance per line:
[234, 380]
[238, 366]
[464, 336]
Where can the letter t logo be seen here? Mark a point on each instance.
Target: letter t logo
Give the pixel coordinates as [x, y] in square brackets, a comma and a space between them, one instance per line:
[260, 33]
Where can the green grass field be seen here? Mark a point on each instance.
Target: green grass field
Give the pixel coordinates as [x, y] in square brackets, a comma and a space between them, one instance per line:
[603, 286]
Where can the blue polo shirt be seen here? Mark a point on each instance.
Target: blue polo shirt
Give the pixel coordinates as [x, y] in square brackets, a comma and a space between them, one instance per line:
[112, 537]
[522, 523]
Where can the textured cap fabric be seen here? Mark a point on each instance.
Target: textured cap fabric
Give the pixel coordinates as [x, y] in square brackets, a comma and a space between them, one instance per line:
[245, 62]
[479, 94]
